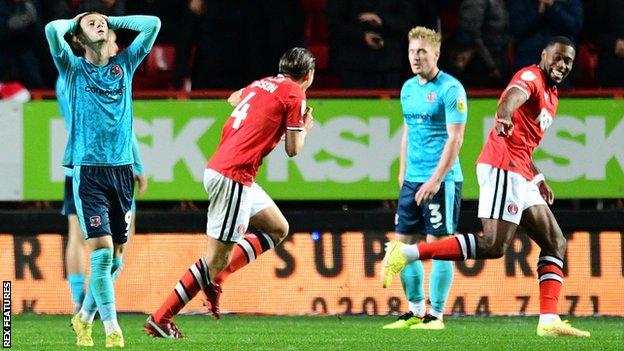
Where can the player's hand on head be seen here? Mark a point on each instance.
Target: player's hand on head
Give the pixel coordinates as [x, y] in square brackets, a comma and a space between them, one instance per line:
[78, 16]
[546, 192]
[142, 182]
[504, 127]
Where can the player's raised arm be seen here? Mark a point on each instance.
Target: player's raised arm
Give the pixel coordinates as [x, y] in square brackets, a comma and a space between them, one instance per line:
[148, 28]
[55, 31]
[514, 98]
[59, 48]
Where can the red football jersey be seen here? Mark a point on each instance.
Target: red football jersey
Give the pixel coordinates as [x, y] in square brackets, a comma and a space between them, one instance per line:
[514, 153]
[267, 108]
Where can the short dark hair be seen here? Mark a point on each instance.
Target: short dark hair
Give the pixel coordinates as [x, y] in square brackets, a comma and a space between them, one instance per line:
[560, 40]
[296, 62]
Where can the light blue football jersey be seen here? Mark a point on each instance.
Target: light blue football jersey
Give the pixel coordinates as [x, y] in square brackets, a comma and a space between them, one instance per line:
[100, 97]
[427, 109]
[137, 166]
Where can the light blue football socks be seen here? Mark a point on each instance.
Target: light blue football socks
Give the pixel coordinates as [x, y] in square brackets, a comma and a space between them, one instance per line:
[440, 281]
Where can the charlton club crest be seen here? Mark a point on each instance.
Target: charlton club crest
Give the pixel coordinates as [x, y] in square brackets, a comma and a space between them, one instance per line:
[116, 71]
[512, 208]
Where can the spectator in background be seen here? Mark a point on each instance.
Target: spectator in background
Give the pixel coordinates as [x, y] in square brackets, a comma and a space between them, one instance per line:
[193, 14]
[607, 29]
[55, 9]
[20, 29]
[13, 91]
[238, 40]
[223, 35]
[477, 54]
[105, 7]
[278, 26]
[537, 21]
[367, 41]
[169, 12]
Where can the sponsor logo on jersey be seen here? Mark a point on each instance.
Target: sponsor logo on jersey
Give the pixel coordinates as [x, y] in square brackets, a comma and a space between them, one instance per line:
[95, 221]
[419, 117]
[105, 92]
[460, 104]
[512, 208]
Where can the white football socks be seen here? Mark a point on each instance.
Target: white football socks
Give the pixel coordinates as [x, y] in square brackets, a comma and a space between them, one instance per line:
[411, 252]
[418, 308]
[548, 318]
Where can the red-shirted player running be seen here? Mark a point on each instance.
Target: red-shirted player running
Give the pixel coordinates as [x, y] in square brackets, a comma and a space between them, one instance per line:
[265, 111]
[512, 192]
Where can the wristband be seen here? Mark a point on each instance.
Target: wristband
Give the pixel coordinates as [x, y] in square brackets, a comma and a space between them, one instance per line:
[538, 178]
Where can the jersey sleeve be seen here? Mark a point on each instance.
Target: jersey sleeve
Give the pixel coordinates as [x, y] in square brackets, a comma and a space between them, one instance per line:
[296, 107]
[526, 81]
[455, 105]
[148, 28]
[60, 50]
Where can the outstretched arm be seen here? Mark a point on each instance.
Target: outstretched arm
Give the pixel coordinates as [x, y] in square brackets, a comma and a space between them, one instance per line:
[513, 99]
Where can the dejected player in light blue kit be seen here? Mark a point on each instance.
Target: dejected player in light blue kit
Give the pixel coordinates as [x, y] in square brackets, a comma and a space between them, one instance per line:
[435, 112]
[98, 89]
[76, 244]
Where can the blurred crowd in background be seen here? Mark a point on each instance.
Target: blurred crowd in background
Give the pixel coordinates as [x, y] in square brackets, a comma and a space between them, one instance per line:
[359, 44]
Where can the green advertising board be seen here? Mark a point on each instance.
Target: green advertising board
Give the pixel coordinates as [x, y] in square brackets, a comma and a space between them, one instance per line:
[352, 153]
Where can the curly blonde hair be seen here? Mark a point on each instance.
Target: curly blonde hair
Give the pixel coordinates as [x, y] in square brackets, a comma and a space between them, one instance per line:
[428, 35]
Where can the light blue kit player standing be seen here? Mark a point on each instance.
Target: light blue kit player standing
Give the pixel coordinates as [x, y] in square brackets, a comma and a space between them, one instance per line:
[98, 88]
[76, 244]
[435, 112]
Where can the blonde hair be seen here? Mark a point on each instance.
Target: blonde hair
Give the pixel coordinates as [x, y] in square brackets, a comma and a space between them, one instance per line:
[425, 34]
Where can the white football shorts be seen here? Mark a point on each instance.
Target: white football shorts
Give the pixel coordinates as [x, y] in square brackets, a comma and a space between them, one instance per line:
[231, 206]
[505, 194]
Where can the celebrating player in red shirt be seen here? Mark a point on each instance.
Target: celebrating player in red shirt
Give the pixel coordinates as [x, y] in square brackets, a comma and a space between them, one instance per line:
[265, 111]
[512, 192]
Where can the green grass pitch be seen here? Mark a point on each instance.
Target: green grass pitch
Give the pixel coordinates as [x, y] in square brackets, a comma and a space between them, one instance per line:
[233, 332]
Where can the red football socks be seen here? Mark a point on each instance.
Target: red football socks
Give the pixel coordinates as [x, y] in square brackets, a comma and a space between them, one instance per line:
[245, 252]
